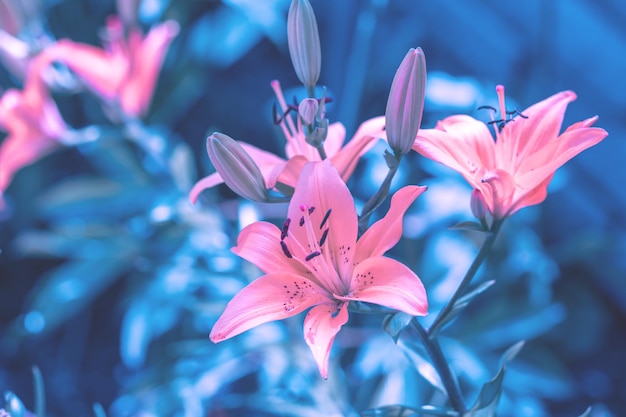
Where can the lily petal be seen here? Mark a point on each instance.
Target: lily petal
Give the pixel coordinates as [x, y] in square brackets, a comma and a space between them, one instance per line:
[386, 232]
[271, 297]
[147, 58]
[321, 187]
[389, 283]
[209, 181]
[541, 124]
[346, 159]
[321, 325]
[259, 243]
[555, 154]
[467, 155]
[266, 161]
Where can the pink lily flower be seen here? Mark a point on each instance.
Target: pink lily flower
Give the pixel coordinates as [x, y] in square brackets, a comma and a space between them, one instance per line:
[315, 261]
[33, 122]
[514, 171]
[280, 171]
[127, 68]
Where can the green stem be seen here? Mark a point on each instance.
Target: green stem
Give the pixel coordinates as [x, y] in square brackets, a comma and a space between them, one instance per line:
[471, 272]
[449, 381]
[377, 199]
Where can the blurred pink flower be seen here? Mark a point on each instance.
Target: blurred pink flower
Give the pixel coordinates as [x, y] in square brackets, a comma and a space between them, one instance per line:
[316, 261]
[277, 170]
[514, 171]
[127, 68]
[32, 120]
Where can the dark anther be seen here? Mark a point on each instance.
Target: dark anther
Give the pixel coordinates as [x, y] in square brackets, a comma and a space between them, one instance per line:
[323, 238]
[285, 249]
[493, 109]
[285, 229]
[312, 255]
[302, 221]
[493, 122]
[517, 112]
[275, 117]
[311, 210]
[325, 219]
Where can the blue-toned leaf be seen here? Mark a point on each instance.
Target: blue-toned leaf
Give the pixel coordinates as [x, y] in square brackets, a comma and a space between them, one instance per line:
[68, 289]
[391, 411]
[469, 225]
[438, 411]
[40, 393]
[487, 402]
[395, 323]
[182, 167]
[586, 413]
[458, 306]
[417, 355]
[98, 410]
[14, 405]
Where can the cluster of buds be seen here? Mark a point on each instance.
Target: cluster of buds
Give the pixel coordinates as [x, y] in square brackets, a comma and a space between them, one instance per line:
[236, 167]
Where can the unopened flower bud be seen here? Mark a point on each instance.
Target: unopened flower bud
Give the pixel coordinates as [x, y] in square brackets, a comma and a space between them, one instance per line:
[240, 173]
[405, 105]
[308, 110]
[304, 43]
[478, 205]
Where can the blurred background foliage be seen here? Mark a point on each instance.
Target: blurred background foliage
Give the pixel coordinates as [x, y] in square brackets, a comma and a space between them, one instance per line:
[111, 280]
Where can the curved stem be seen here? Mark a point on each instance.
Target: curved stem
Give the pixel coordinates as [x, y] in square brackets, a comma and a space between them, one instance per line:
[469, 275]
[450, 383]
[393, 162]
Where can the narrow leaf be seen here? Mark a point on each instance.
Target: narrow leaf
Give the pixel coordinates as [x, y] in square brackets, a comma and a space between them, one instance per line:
[487, 402]
[395, 323]
[469, 225]
[40, 394]
[390, 411]
[458, 306]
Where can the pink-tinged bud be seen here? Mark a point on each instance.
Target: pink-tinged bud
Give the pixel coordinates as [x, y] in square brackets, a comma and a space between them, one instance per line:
[478, 205]
[236, 167]
[304, 43]
[308, 110]
[405, 105]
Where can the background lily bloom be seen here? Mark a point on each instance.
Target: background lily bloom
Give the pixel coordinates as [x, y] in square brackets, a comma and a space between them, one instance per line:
[276, 169]
[316, 261]
[514, 171]
[33, 122]
[126, 69]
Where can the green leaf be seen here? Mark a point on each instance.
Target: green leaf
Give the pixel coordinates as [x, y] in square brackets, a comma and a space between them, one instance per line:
[438, 411]
[469, 225]
[391, 411]
[69, 288]
[417, 355]
[458, 306]
[395, 323]
[14, 405]
[40, 394]
[98, 410]
[487, 402]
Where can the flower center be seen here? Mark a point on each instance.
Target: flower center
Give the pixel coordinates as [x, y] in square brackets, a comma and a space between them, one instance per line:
[311, 248]
[506, 116]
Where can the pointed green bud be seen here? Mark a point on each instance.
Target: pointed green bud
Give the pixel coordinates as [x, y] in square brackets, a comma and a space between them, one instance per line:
[308, 110]
[240, 173]
[304, 43]
[405, 105]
